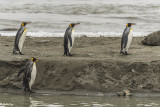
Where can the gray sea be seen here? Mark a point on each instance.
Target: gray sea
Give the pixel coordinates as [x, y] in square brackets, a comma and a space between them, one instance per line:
[52, 100]
[97, 17]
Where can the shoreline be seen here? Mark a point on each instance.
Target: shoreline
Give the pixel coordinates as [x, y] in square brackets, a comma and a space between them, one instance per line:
[78, 92]
[77, 34]
[96, 65]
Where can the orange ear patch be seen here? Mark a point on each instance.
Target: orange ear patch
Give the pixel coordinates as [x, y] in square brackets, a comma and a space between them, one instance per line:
[22, 24]
[127, 25]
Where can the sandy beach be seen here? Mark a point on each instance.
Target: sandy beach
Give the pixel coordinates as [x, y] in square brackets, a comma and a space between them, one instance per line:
[96, 65]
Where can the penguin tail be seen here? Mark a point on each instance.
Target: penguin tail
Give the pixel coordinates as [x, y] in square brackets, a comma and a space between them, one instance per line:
[14, 51]
[70, 54]
[25, 88]
[121, 52]
[65, 54]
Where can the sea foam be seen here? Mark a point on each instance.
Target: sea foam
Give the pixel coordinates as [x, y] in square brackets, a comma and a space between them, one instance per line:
[77, 34]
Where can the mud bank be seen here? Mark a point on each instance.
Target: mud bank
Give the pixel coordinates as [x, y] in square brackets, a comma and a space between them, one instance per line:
[96, 65]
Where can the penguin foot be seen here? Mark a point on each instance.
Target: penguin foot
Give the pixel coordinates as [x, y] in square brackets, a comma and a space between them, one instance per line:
[31, 91]
[121, 53]
[21, 53]
[126, 53]
[27, 90]
[70, 54]
[65, 54]
[14, 53]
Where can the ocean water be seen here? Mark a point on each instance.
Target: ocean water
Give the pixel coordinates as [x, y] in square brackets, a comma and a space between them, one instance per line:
[51, 100]
[97, 17]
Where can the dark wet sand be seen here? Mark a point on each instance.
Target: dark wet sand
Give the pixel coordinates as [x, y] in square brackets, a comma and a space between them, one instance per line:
[96, 65]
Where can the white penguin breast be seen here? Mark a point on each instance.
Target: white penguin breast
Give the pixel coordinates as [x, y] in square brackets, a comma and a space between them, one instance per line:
[33, 75]
[72, 36]
[130, 36]
[22, 39]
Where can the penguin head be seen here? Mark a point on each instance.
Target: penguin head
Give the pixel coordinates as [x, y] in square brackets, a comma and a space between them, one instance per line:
[24, 23]
[130, 24]
[34, 59]
[73, 24]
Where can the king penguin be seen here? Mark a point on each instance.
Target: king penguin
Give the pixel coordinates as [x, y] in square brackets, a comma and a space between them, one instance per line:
[126, 39]
[69, 39]
[20, 38]
[30, 72]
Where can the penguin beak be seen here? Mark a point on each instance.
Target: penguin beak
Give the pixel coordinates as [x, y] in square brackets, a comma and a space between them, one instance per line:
[133, 23]
[37, 60]
[28, 22]
[77, 23]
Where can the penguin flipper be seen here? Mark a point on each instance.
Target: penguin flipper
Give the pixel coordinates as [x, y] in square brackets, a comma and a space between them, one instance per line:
[18, 36]
[19, 73]
[124, 39]
[67, 40]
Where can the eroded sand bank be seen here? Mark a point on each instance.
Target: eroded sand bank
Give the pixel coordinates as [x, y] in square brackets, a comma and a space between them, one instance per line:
[96, 65]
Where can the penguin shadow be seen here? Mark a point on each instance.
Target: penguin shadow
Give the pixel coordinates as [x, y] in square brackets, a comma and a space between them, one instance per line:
[73, 55]
[18, 54]
[15, 53]
[123, 55]
[80, 55]
[86, 55]
[26, 92]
